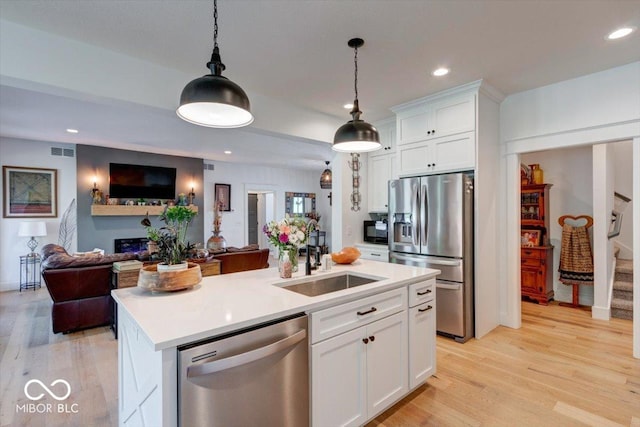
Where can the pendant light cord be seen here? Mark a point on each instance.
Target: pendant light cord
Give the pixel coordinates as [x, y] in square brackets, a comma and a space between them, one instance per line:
[355, 80]
[215, 23]
[215, 65]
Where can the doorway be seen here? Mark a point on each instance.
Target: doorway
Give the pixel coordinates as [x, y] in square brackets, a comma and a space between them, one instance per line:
[252, 218]
[260, 209]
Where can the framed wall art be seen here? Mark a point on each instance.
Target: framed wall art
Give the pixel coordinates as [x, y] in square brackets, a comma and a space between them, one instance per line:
[29, 192]
[530, 238]
[223, 196]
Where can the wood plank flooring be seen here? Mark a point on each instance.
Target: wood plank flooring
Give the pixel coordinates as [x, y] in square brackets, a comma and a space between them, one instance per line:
[562, 368]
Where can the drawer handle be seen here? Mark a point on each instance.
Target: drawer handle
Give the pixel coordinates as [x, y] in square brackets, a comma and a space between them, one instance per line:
[428, 291]
[372, 254]
[528, 252]
[422, 310]
[362, 313]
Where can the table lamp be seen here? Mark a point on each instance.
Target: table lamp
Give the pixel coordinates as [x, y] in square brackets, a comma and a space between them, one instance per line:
[32, 229]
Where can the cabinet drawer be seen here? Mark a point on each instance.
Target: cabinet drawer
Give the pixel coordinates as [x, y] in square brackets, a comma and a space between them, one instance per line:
[531, 253]
[530, 262]
[336, 320]
[422, 292]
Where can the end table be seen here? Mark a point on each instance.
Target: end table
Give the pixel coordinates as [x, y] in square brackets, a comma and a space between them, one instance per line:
[30, 272]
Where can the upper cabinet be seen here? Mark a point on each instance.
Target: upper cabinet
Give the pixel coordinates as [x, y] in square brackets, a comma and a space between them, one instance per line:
[387, 131]
[423, 120]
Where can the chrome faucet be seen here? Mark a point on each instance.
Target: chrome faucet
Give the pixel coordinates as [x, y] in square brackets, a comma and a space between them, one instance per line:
[311, 226]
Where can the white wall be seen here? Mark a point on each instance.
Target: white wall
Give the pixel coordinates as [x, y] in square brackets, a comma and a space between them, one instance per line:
[348, 221]
[570, 172]
[242, 178]
[18, 152]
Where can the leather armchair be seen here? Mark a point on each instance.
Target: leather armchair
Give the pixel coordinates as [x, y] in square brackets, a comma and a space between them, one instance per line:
[80, 288]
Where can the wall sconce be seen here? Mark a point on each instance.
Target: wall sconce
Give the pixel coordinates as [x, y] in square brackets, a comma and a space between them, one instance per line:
[96, 194]
[355, 164]
[192, 194]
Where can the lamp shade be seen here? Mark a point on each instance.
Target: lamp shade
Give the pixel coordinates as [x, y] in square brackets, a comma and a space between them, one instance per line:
[32, 229]
[215, 101]
[356, 136]
[326, 179]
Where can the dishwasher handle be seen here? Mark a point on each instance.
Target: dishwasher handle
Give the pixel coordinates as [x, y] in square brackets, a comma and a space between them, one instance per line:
[244, 358]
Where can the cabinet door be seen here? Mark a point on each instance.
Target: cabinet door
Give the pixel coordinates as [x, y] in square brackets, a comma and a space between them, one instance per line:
[453, 153]
[422, 345]
[452, 116]
[386, 362]
[530, 279]
[415, 159]
[412, 125]
[387, 132]
[338, 380]
[380, 172]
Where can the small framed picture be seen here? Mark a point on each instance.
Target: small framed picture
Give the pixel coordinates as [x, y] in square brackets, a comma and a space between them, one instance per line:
[530, 238]
[223, 196]
[29, 192]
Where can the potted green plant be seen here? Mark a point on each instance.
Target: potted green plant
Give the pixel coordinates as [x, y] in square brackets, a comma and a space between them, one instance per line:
[172, 248]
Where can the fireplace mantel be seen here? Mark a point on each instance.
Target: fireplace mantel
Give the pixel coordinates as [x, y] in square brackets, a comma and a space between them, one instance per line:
[123, 210]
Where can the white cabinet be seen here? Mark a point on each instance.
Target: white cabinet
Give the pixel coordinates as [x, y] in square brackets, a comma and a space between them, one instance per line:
[387, 131]
[360, 373]
[451, 153]
[422, 331]
[359, 359]
[433, 119]
[381, 169]
[373, 252]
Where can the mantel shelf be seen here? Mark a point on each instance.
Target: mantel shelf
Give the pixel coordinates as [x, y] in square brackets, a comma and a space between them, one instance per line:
[123, 210]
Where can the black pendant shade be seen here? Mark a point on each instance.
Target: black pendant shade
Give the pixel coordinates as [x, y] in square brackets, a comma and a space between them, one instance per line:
[326, 179]
[213, 100]
[356, 136]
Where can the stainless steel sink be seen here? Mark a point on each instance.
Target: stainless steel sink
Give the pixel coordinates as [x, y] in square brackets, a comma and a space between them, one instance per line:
[325, 285]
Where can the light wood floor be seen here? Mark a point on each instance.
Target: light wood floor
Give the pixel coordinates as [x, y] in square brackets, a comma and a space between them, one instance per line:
[560, 369]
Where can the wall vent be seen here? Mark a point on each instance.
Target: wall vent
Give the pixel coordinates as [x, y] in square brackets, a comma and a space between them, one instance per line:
[55, 151]
[68, 152]
[208, 167]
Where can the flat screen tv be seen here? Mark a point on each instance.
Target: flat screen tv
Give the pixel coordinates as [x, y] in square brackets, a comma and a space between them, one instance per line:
[137, 181]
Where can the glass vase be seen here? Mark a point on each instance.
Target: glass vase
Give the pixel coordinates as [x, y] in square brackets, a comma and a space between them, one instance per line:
[216, 242]
[293, 257]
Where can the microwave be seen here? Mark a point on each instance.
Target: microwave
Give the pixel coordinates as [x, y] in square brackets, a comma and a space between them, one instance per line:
[375, 232]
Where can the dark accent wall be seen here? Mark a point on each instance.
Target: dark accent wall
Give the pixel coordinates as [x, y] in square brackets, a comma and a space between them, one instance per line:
[100, 231]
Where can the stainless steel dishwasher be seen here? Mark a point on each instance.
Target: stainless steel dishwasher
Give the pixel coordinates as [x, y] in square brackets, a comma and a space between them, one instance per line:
[257, 376]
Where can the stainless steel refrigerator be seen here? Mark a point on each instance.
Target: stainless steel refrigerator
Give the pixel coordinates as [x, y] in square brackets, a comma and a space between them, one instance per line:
[431, 225]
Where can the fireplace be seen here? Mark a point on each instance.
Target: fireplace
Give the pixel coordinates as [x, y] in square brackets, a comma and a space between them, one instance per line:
[137, 244]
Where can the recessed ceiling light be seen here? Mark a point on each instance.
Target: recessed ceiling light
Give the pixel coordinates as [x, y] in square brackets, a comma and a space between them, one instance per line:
[347, 106]
[72, 130]
[227, 152]
[440, 72]
[620, 32]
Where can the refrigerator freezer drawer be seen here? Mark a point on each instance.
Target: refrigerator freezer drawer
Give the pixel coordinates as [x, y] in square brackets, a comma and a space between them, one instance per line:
[452, 269]
[450, 312]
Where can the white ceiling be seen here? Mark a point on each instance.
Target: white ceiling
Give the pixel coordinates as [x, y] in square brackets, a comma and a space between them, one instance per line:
[295, 51]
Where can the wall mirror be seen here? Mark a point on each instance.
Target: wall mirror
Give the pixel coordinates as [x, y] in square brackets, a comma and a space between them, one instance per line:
[302, 204]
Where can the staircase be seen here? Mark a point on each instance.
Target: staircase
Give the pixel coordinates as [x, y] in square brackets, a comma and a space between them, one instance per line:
[622, 302]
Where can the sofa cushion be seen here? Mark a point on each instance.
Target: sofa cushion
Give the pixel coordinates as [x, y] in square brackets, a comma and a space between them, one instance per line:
[233, 262]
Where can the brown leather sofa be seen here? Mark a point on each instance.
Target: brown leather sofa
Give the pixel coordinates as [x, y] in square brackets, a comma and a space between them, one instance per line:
[80, 288]
[242, 259]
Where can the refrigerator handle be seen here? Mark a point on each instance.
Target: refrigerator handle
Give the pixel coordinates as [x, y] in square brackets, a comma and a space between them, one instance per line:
[423, 214]
[415, 206]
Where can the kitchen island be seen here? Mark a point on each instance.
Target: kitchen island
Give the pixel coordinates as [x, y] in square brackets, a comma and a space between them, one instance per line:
[151, 326]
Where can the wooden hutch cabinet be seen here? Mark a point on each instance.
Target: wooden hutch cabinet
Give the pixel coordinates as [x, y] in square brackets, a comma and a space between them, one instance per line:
[536, 268]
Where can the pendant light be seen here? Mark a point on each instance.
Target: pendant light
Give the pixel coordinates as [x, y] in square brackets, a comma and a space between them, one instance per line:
[326, 179]
[356, 136]
[213, 100]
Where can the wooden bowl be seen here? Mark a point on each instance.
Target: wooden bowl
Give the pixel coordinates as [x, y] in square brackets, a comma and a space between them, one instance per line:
[346, 256]
[169, 281]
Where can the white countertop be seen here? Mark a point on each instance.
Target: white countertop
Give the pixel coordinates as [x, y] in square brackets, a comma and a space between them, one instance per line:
[228, 302]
